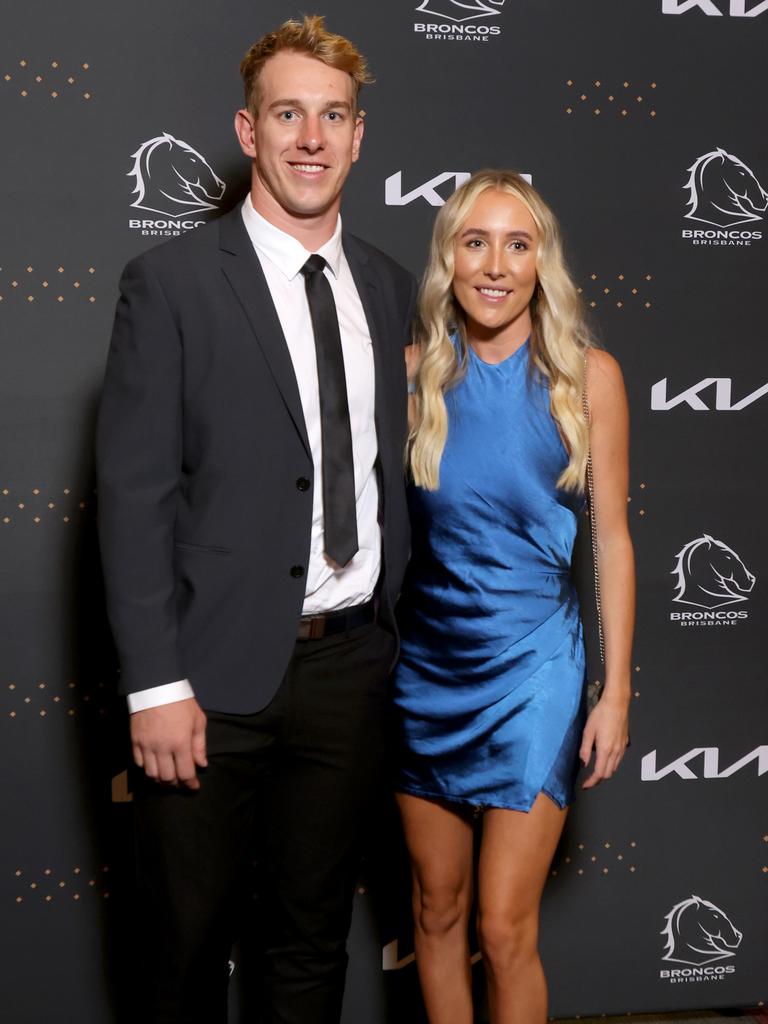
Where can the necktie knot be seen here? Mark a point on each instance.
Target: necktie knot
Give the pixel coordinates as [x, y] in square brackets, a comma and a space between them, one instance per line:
[314, 265]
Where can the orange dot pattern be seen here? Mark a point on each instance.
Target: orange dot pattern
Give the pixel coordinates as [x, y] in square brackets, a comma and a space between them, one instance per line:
[21, 505]
[620, 291]
[47, 79]
[614, 101]
[55, 699]
[48, 284]
[70, 885]
[601, 858]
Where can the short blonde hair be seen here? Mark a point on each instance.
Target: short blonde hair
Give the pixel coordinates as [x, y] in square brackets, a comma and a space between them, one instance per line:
[310, 37]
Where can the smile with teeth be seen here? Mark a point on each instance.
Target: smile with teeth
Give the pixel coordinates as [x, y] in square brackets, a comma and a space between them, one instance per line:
[308, 168]
[494, 293]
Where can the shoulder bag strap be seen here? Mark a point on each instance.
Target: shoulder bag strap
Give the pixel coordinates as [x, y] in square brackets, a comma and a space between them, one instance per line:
[592, 515]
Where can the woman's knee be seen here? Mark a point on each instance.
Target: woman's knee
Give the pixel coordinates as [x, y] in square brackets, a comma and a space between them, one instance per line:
[507, 938]
[440, 907]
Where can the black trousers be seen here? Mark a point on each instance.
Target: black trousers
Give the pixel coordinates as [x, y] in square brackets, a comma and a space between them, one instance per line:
[282, 808]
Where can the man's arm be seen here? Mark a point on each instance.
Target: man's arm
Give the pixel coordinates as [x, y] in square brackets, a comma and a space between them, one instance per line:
[411, 312]
[138, 454]
[138, 457]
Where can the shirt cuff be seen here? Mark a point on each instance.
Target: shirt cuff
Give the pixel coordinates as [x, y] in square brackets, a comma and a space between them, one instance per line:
[156, 696]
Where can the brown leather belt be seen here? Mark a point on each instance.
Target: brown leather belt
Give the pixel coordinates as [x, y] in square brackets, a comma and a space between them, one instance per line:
[314, 627]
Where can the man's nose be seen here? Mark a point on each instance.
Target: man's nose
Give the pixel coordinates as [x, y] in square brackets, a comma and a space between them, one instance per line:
[311, 135]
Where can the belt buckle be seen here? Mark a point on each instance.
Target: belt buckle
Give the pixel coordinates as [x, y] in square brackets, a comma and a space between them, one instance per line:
[312, 628]
[316, 627]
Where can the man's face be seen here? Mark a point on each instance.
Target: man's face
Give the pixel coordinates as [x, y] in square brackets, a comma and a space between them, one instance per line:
[305, 138]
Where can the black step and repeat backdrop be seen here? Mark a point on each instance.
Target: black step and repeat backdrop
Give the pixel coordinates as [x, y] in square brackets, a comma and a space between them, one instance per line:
[642, 121]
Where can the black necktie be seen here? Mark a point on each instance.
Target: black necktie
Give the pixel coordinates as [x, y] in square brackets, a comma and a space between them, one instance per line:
[339, 511]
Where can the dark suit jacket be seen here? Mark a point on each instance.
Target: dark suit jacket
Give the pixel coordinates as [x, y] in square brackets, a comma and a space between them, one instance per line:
[202, 455]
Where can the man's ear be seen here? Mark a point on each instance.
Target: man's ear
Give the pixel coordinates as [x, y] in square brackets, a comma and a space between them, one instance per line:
[244, 123]
[357, 138]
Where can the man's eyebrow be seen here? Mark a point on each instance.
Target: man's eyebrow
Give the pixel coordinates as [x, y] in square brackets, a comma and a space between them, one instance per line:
[485, 234]
[338, 105]
[331, 105]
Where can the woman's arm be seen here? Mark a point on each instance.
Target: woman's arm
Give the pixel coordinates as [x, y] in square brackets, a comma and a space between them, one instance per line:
[412, 358]
[606, 730]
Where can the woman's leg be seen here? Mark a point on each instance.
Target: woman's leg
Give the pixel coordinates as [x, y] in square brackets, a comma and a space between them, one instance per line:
[515, 854]
[440, 845]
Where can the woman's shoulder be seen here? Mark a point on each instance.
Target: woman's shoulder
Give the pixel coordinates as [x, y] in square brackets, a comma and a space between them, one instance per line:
[603, 369]
[605, 381]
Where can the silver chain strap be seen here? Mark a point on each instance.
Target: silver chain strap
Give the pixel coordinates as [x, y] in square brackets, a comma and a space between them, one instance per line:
[592, 516]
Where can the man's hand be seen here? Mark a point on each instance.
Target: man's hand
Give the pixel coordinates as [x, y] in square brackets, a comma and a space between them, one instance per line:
[169, 742]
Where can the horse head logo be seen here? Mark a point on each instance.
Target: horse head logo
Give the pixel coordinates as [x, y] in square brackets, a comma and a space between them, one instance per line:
[698, 932]
[461, 10]
[173, 179]
[710, 574]
[724, 191]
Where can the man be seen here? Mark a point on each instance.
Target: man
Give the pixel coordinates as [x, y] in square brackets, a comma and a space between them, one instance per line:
[254, 536]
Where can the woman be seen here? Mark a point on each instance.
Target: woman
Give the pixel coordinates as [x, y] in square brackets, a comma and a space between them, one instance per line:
[489, 688]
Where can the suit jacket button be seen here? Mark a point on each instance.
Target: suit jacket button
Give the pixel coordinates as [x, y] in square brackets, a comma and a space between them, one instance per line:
[302, 483]
[297, 571]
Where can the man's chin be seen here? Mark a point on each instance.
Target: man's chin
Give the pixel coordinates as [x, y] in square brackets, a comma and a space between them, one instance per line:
[311, 208]
[303, 204]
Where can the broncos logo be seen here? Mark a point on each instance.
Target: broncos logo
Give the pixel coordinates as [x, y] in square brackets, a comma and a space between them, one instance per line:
[710, 574]
[173, 179]
[461, 10]
[698, 932]
[724, 191]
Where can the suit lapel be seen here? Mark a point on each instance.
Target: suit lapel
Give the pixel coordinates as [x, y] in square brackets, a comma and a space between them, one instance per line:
[368, 288]
[242, 269]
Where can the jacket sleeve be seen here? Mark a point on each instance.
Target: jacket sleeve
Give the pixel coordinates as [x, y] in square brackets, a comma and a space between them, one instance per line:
[138, 456]
[411, 310]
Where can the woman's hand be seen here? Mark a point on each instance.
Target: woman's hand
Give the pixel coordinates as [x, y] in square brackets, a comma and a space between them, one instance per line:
[606, 732]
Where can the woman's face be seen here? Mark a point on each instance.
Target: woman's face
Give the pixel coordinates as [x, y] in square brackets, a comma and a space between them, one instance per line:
[495, 266]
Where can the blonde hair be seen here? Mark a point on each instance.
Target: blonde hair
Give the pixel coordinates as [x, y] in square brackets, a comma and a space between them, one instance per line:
[559, 336]
[310, 37]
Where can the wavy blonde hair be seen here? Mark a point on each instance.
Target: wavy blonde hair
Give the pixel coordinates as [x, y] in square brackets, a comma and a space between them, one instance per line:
[559, 336]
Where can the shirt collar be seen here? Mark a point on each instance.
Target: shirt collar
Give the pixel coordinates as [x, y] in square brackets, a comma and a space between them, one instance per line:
[282, 249]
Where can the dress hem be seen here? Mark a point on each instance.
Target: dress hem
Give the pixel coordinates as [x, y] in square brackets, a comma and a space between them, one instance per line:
[480, 807]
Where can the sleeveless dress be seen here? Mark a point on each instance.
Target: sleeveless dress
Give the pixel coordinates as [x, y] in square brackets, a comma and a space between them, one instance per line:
[489, 687]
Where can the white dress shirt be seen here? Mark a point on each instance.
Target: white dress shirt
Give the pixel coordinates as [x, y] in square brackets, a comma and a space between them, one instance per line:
[328, 587]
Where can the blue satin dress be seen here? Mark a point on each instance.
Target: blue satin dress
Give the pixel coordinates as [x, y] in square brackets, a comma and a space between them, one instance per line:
[489, 686]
